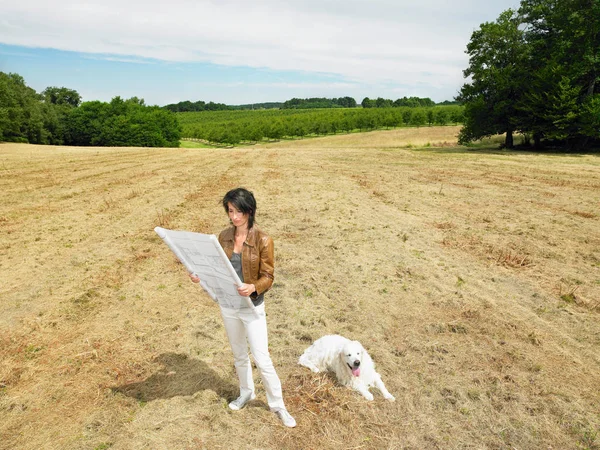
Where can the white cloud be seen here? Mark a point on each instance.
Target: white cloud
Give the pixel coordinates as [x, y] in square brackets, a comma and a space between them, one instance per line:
[363, 41]
[282, 85]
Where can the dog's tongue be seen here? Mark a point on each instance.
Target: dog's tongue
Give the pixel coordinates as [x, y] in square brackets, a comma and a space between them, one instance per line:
[356, 371]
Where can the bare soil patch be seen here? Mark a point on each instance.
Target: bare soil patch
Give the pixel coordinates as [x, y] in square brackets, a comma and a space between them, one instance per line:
[471, 276]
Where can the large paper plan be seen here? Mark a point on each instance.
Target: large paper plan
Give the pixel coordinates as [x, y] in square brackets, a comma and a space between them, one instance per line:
[203, 255]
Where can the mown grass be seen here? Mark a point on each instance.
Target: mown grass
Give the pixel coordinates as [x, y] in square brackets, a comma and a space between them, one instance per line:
[471, 276]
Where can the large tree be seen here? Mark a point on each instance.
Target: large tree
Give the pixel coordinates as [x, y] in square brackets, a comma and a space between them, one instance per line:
[495, 79]
[564, 60]
[536, 71]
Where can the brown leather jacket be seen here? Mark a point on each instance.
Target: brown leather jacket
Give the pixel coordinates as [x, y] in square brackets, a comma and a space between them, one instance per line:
[257, 257]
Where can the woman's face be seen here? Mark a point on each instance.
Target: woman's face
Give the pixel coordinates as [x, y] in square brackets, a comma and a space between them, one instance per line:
[237, 217]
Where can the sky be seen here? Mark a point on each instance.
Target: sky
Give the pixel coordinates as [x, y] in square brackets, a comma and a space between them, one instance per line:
[242, 51]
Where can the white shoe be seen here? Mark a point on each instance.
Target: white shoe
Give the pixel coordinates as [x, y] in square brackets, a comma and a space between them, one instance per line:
[241, 401]
[286, 418]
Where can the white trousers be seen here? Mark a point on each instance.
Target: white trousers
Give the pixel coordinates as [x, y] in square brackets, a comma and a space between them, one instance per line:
[243, 327]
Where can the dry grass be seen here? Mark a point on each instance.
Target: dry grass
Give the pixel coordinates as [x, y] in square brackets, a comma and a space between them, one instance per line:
[472, 276]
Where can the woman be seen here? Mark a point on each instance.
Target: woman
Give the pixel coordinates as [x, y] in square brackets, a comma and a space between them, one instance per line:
[250, 251]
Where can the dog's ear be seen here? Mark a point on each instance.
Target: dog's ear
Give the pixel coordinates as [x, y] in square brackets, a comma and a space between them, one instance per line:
[341, 354]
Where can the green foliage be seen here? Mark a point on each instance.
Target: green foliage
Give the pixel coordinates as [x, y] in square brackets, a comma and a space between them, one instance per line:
[233, 127]
[410, 102]
[441, 116]
[26, 116]
[537, 72]
[367, 103]
[312, 103]
[478, 121]
[449, 102]
[55, 117]
[560, 109]
[122, 123]
[187, 106]
[308, 103]
[265, 105]
[495, 53]
[590, 116]
[383, 103]
[21, 116]
[418, 118]
[61, 96]
[415, 102]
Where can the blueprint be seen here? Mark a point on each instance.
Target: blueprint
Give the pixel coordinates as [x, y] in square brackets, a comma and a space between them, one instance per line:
[201, 254]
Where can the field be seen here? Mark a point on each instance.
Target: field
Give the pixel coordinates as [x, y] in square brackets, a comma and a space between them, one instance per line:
[235, 127]
[472, 276]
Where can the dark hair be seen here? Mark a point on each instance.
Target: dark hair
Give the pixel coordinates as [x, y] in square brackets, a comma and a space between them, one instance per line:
[243, 200]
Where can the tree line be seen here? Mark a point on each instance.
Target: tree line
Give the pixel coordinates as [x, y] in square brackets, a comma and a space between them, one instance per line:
[188, 106]
[536, 71]
[264, 105]
[309, 103]
[123, 123]
[58, 117]
[234, 127]
[316, 102]
[410, 102]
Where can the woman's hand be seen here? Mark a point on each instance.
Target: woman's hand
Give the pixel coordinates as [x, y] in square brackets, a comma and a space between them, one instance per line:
[245, 290]
[195, 278]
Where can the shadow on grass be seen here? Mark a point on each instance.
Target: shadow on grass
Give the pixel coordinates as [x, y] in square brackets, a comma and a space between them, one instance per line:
[494, 150]
[180, 375]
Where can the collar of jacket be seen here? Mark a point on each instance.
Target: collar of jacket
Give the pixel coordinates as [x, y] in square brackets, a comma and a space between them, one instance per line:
[229, 235]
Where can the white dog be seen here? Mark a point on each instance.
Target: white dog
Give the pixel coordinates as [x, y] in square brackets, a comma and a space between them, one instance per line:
[349, 361]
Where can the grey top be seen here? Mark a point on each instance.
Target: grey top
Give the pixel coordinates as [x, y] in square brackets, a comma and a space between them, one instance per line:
[236, 262]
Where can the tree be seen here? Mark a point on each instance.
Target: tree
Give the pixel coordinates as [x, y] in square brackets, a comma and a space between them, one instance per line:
[383, 103]
[83, 124]
[536, 71]
[347, 102]
[457, 114]
[567, 31]
[441, 116]
[564, 59]
[418, 118]
[10, 114]
[276, 130]
[21, 113]
[319, 102]
[389, 120]
[57, 104]
[430, 116]
[367, 103]
[188, 106]
[550, 106]
[497, 80]
[590, 116]
[61, 96]
[122, 123]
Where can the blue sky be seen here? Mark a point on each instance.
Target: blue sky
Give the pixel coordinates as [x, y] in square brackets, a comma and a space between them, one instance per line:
[242, 51]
